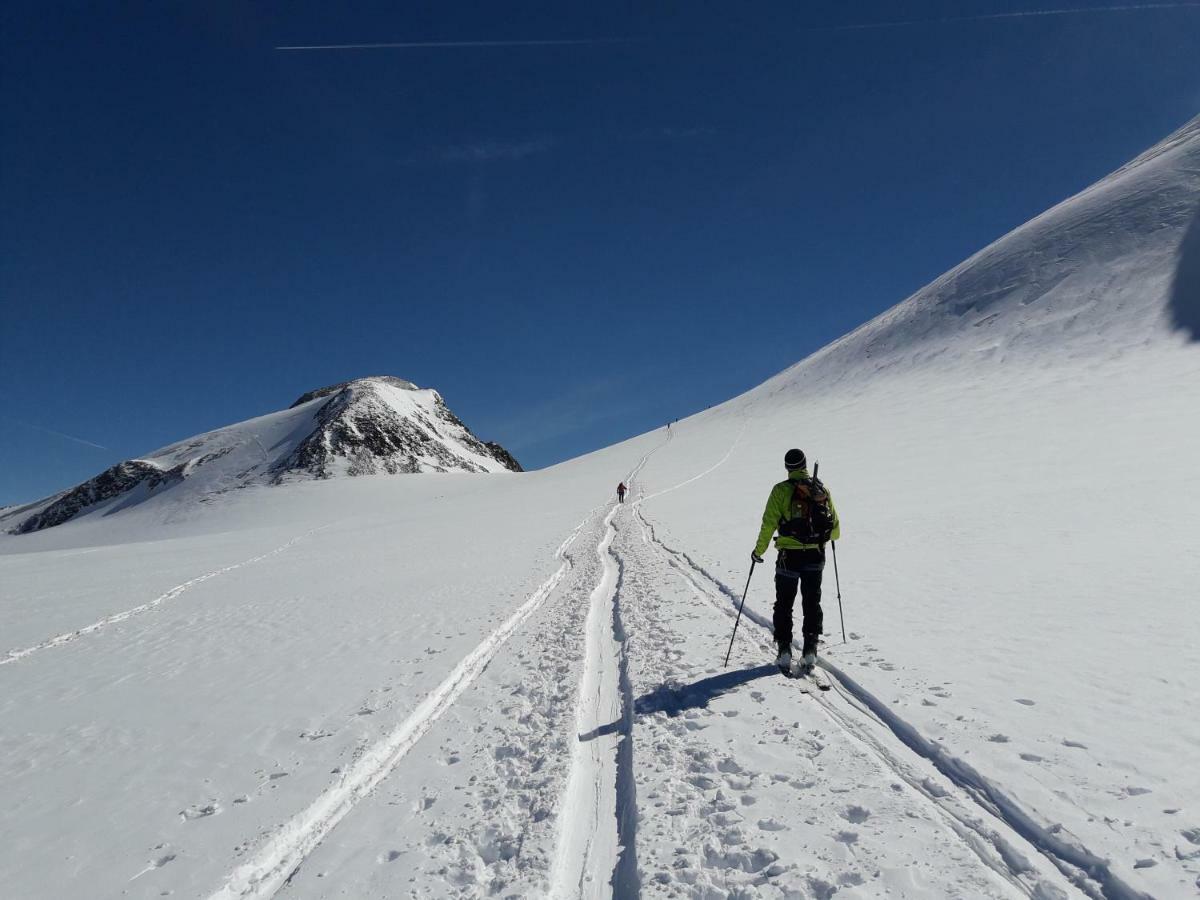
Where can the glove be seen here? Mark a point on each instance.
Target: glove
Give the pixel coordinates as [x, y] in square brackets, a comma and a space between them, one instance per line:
[754, 556]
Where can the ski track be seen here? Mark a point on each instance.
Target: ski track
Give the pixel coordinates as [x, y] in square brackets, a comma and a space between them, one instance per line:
[705, 853]
[1088, 872]
[277, 860]
[68, 637]
[724, 459]
[596, 852]
[597, 840]
[587, 846]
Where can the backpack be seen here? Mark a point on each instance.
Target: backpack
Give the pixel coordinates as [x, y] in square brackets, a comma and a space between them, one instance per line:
[810, 518]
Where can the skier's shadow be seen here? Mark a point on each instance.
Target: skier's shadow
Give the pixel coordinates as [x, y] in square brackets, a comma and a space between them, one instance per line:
[674, 699]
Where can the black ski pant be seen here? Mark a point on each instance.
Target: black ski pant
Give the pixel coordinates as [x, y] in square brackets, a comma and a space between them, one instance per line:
[798, 571]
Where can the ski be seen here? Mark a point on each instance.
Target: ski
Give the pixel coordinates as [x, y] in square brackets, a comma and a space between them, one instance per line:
[792, 672]
[811, 674]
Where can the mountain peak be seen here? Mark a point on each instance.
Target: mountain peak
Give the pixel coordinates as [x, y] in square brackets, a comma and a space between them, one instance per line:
[368, 426]
[383, 424]
[391, 380]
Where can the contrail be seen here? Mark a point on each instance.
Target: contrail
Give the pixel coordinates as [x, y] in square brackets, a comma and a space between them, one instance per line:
[60, 434]
[983, 17]
[414, 45]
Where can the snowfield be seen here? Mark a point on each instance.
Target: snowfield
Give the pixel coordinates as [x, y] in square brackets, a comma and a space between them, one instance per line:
[463, 685]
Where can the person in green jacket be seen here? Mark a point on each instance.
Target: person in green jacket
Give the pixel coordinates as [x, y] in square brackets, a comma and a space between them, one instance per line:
[800, 564]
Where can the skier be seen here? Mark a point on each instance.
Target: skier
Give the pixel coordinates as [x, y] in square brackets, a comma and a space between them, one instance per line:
[621, 492]
[802, 511]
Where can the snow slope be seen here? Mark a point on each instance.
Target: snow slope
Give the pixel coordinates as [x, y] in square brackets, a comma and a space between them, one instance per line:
[350, 687]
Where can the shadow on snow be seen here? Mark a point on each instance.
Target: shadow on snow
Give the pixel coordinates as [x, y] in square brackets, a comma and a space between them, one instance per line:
[674, 699]
[1184, 303]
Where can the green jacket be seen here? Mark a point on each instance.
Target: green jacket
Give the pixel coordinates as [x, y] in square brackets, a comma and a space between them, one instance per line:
[778, 506]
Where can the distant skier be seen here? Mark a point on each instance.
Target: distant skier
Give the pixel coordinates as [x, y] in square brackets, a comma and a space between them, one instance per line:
[802, 511]
[621, 492]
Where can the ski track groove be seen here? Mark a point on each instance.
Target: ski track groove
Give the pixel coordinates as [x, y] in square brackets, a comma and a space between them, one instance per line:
[1087, 872]
[587, 839]
[955, 824]
[68, 637]
[600, 780]
[626, 880]
[278, 859]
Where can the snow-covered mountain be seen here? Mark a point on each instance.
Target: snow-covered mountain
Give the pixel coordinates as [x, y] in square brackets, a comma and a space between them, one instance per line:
[462, 687]
[1092, 277]
[363, 427]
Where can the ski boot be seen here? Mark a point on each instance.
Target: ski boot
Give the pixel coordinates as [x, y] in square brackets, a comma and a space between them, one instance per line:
[784, 659]
[808, 656]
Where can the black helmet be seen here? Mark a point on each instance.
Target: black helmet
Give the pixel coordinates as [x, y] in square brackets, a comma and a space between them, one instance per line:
[794, 459]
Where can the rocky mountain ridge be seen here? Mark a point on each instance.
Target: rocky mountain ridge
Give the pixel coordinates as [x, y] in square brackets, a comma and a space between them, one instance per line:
[369, 426]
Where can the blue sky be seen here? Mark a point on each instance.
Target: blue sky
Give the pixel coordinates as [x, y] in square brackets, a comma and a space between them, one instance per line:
[573, 242]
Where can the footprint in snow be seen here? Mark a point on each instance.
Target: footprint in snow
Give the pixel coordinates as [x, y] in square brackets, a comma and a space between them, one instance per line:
[1024, 701]
[199, 812]
[856, 815]
[847, 837]
[155, 864]
[1136, 791]
[999, 739]
[1074, 744]
[771, 825]
[390, 856]
[1031, 757]
[821, 890]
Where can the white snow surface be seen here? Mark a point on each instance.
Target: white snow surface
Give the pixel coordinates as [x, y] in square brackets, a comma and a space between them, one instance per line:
[450, 685]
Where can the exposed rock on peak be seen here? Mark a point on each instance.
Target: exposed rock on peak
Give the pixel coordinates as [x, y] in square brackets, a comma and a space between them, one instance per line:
[378, 425]
[375, 425]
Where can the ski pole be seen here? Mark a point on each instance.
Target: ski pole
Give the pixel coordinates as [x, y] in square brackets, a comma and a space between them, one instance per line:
[753, 563]
[838, 582]
[836, 579]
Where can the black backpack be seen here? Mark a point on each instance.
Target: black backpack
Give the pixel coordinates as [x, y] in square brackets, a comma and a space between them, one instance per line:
[810, 518]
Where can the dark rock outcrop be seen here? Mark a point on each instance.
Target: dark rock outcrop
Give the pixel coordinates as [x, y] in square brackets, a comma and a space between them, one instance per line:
[119, 480]
[358, 432]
